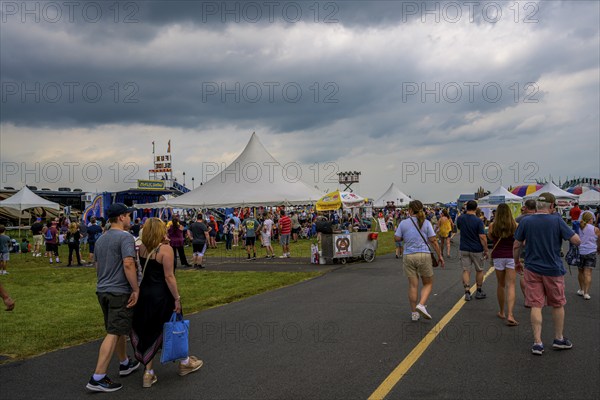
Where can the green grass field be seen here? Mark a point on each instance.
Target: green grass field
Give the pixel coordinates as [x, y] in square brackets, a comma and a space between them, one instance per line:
[57, 307]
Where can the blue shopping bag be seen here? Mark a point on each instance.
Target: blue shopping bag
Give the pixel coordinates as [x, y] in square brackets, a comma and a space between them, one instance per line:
[175, 339]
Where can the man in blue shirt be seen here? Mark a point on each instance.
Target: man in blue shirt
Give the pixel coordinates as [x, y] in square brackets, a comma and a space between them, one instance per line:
[544, 269]
[473, 249]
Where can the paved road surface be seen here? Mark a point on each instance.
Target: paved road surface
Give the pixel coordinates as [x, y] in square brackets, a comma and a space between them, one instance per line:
[339, 336]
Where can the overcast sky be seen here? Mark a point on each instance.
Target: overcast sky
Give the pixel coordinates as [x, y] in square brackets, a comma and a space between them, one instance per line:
[437, 97]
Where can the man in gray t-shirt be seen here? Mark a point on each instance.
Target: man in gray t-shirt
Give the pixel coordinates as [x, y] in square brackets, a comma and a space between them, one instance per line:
[117, 291]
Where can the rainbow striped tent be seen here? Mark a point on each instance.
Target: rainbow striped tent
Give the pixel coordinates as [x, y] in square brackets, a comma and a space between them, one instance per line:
[525, 190]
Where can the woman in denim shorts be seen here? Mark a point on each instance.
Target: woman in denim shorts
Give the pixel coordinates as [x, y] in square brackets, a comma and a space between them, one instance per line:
[587, 249]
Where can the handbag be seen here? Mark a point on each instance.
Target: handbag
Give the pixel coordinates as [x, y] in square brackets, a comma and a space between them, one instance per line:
[493, 248]
[175, 339]
[573, 257]
[434, 261]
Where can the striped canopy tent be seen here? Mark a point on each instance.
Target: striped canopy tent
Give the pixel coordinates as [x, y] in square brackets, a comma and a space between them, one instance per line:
[525, 190]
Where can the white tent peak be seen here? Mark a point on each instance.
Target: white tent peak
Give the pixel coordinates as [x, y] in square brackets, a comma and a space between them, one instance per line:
[25, 199]
[555, 190]
[254, 178]
[392, 194]
[501, 191]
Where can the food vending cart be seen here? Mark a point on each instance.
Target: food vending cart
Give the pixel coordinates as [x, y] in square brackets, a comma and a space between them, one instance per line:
[345, 245]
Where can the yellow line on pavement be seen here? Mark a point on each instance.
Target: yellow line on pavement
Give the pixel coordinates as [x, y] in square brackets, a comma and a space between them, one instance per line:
[398, 373]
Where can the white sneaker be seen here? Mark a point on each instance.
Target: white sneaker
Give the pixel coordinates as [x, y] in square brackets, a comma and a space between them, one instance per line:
[580, 292]
[415, 316]
[283, 256]
[586, 296]
[423, 311]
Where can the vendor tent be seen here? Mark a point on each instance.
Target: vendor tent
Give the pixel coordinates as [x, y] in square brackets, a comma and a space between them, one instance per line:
[555, 190]
[25, 199]
[392, 194]
[589, 198]
[255, 178]
[498, 193]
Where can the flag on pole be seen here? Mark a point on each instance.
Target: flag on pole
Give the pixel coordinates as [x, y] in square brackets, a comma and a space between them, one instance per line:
[153, 147]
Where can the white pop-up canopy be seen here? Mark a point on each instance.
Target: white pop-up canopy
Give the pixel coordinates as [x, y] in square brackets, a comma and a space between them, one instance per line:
[392, 194]
[501, 191]
[255, 178]
[555, 190]
[25, 199]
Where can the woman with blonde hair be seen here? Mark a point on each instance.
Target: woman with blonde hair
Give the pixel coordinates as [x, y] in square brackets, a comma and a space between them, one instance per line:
[590, 241]
[444, 229]
[72, 238]
[502, 232]
[416, 231]
[158, 298]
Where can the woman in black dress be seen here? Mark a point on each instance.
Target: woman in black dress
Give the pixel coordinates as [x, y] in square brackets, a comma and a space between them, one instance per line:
[158, 298]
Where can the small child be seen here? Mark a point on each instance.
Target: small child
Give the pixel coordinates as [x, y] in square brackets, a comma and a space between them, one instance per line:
[24, 246]
[4, 250]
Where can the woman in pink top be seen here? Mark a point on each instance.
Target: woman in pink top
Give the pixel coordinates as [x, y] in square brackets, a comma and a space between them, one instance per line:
[502, 232]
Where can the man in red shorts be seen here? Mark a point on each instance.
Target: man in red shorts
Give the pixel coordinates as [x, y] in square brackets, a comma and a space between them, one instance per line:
[544, 270]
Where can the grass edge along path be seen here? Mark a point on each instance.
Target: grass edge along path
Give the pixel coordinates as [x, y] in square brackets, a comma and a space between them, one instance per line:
[57, 307]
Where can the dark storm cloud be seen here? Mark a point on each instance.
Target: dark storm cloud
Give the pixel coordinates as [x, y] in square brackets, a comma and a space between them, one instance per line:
[111, 72]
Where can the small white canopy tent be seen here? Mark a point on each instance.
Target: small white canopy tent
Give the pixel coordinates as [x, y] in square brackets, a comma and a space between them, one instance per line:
[555, 190]
[392, 194]
[501, 191]
[255, 178]
[25, 199]
[589, 198]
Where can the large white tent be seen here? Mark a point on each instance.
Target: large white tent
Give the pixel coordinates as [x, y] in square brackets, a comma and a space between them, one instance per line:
[392, 194]
[555, 190]
[501, 191]
[255, 178]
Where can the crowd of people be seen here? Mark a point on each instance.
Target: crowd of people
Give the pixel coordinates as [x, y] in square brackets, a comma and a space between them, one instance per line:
[137, 289]
[528, 247]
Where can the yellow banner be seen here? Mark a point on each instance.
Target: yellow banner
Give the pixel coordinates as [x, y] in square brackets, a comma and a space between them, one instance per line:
[146, 184]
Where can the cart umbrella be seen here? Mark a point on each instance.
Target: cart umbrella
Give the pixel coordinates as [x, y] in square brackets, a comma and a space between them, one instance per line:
[330, 202]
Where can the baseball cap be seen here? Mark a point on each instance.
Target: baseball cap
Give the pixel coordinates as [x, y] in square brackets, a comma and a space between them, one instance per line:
[547, 197]
[116, 209]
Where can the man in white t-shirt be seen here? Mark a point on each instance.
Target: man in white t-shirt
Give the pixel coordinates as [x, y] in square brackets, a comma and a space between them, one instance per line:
[267, 233]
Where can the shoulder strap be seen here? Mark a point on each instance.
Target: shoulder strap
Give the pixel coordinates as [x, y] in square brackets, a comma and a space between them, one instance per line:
[148, 259]
[420, 233]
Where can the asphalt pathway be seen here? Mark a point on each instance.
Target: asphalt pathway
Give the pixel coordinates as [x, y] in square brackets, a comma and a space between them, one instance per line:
[339, 336]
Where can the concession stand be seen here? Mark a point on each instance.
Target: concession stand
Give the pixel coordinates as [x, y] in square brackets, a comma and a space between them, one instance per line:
[344, 245]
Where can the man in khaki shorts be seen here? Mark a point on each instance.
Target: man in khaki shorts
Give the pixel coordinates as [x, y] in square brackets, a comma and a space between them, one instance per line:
[473, 249]
[38, 239]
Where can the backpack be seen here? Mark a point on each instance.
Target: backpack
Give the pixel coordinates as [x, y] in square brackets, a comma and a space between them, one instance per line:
[48, 235]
